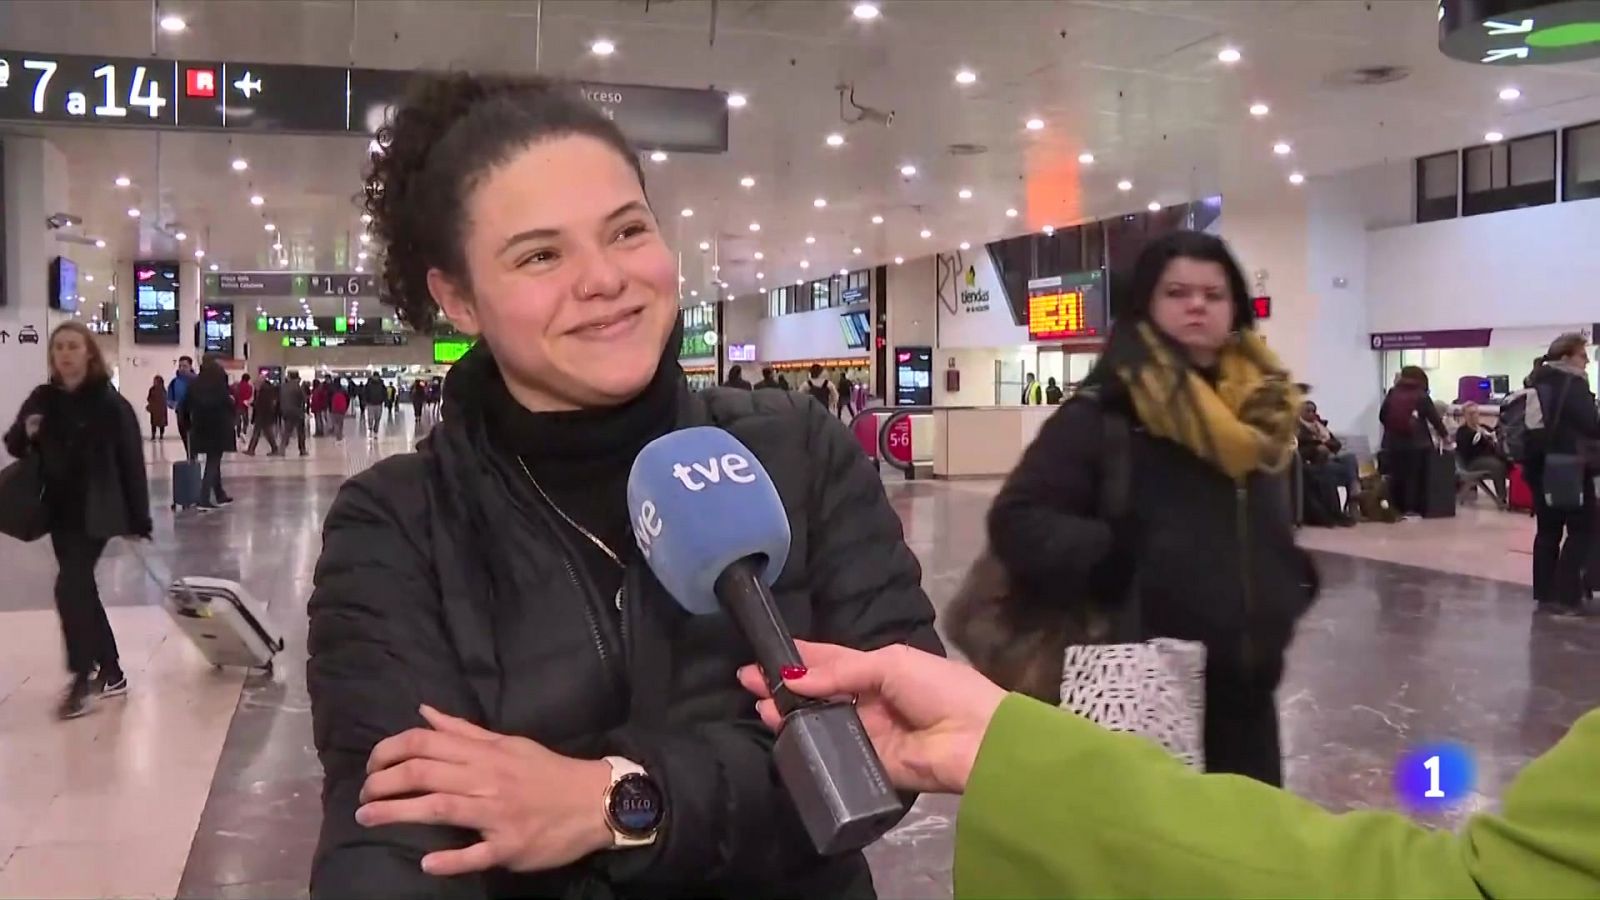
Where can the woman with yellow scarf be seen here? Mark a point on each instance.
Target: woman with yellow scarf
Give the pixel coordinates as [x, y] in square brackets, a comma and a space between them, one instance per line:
[1204, 542]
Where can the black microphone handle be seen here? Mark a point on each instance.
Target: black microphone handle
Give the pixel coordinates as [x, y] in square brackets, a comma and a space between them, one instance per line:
[745, 596]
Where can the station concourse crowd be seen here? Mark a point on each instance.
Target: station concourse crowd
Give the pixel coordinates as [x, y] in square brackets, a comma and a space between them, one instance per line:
[1205, 534]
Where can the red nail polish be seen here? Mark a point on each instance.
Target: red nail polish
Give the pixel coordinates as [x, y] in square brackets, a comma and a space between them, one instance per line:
[790, 673]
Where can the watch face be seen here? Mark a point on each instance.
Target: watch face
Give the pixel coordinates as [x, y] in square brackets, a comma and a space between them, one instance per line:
[635, 805]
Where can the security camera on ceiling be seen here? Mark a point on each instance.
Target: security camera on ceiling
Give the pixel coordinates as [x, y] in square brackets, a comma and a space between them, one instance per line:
[859, 112]
[60, 220]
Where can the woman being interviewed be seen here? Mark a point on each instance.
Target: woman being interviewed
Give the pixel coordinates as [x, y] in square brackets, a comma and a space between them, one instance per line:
[1205, 543]
[501, 691]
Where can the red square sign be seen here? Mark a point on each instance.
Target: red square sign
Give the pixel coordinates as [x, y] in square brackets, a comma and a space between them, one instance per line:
[201, 83]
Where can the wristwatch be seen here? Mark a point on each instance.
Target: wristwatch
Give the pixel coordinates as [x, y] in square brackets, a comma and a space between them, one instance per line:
[633, 805]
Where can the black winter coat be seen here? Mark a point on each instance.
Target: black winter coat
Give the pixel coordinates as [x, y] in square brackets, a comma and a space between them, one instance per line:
[445, 580]
[208, 408]
[1572, 422]
[107, 473]
[1205, 560]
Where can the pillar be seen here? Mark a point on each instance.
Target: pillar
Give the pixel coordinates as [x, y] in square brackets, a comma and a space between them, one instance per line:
[138, 364]
[35, 186]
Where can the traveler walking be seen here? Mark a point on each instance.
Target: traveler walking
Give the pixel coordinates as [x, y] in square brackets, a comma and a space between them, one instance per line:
[209, 408]
[493, 574]
[846, 394]
[292, 403]
[736, 379]
[373, 397]
[1410, 423]
[419, 399]
[92, 463]
[767, 382]
[155, 404]
[176, 388]
[243, 398]
[1188, 421]
[338, 409]
[1052, 392]
[264, 417]
[821, 388]
[319, 407]
[1561, 476]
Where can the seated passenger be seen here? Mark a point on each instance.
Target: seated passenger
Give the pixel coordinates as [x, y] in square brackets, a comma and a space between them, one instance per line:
[505, 701]
[1328, 467]
[1480, 453]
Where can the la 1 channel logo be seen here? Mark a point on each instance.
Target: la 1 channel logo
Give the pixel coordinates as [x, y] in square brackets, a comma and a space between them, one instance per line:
[1435, 776]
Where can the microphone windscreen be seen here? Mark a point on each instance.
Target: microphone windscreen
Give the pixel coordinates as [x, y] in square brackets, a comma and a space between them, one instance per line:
[699, 501]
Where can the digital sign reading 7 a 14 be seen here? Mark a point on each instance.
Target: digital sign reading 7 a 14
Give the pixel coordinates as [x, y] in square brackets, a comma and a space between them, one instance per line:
[1067, 307]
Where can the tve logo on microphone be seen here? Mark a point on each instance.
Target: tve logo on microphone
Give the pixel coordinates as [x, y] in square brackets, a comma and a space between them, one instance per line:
[698, 500]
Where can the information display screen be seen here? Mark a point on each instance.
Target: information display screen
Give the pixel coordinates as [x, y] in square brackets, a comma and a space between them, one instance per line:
[857, 328]
[449, 350]
[1067, 307]
[63, 284]
[324, 324]
[155, 302]
[216, 335]
[290, 284]
[913, 376]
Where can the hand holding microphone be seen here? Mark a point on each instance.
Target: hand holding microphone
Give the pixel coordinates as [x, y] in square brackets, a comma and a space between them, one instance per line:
[713, 529]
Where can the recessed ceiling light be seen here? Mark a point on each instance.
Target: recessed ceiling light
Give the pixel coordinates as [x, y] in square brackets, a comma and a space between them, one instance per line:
[1229, 55]
[213, 267]
[659, 156]
[899, 260]
[704, 246]
[199, 254]
[257, 200]
[799, 281]
[173, 24]
[682, 279]
[844, 271]
[100, 243]
[359, 269]
[737, 100]
[366, 218]
[1296, 178]
[240, 164]
[694, 293]
[112, 288]
[715, 269]
[89, 278]
[835, 140]
[1086, 158]
[1259, 109]
[1124, 185]
[181, 236]
[361, 255]
[966, 76]
[805, 263]
[965, 245]
[866, 12]
[811, 239]
[270, 227]
[602, 47]
[908, 171]
[760, 276]
[856, 250]
[877, 220]
[760, 256]
[819, 203]
[1049, 230]
[1035, 124]
[1154, 206]
[1509, 93]
[964, 193]
[124, 181]
[1494, 137]
[1282, 148]
[133, 212]
[925, 233]
[1011, 213]
[747, 182]
[687, 213]
[365, 238]
[755, 226]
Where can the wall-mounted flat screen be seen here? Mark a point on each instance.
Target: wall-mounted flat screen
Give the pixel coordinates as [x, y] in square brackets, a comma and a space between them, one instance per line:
[155, 302]
[742, 353]
[913, 376]
[217, 329]
[63, 284]
[857, 328]
[1067, 307]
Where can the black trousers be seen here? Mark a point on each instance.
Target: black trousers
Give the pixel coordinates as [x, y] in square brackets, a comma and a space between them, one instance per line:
[1408, 477]
[1241, 728]
[211, 491]
[1561, 548]
[84, 626]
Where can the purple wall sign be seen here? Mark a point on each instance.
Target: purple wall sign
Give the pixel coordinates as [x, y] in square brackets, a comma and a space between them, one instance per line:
[1431, 340]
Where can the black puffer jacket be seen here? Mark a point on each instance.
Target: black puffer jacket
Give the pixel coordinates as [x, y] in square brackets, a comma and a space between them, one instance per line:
[1205, 560]
[93, 459]
[445, 580]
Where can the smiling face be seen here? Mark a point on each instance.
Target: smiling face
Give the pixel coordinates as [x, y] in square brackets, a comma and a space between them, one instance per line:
[569, 279]
[1193, 306]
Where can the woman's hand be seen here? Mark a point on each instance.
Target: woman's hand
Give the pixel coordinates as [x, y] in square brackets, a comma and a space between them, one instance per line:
[30, 425]
[534, 809]
[926, 715]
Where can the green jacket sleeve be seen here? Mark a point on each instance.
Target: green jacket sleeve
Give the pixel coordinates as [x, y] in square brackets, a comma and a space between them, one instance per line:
[1058, 807]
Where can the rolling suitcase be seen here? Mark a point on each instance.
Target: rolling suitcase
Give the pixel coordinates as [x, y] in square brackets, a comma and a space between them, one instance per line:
[1439, 497]
[185, 483]
[220, 617]
[1521, 498]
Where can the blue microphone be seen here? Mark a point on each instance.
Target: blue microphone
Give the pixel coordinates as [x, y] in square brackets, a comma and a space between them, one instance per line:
[710, 523]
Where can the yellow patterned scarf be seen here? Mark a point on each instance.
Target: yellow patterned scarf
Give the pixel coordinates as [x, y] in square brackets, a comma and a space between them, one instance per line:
[1243, 424]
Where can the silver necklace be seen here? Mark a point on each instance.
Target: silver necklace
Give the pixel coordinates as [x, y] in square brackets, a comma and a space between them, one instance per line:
[575, 526]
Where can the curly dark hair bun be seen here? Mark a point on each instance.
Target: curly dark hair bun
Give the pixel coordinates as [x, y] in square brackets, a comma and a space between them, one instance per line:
[442, 140]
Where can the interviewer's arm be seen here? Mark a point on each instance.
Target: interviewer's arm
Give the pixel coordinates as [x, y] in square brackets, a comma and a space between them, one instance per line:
[1057, 807]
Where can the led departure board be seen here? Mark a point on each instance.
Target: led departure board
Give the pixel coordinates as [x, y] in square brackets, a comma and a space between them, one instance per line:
[286, 99]
[1067, 307]
[290, 284]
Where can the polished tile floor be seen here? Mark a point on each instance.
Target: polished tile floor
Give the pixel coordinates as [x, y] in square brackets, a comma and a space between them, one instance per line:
[204, 783]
